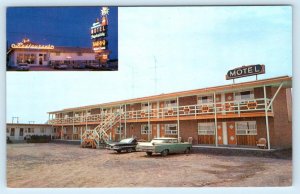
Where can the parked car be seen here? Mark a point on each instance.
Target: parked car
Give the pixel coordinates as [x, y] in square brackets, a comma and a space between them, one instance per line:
[60, 66]
[79, 66]
[22, 67]
[164, 146]
[127, 145]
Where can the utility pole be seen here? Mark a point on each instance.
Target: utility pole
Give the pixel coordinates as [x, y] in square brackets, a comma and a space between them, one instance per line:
[13, 118]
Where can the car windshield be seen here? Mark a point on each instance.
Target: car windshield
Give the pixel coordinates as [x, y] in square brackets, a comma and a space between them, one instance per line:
[126, 140]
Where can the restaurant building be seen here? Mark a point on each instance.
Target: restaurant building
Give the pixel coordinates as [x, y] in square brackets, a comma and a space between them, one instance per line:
[20, 131]
[234, 115]
[35, 54]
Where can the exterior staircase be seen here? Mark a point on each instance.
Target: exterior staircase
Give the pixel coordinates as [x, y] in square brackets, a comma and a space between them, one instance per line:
[94, 137]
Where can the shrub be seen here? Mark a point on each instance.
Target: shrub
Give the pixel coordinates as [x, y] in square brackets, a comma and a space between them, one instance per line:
[39, 139]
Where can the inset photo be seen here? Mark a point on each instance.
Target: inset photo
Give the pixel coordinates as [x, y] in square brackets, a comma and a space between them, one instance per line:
[62, 38]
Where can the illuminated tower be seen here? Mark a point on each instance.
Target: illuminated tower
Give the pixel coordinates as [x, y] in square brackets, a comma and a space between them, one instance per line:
[99, 37]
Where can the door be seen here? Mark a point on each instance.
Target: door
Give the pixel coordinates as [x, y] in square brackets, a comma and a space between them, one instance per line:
[231, 133]
[40, 60]
[21, 132]
[220, 133]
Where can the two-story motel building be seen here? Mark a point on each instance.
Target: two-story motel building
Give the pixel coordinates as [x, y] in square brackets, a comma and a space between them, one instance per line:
[234, 115]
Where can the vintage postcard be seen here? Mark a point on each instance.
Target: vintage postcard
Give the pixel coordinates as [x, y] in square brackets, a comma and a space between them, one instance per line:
[202, 97]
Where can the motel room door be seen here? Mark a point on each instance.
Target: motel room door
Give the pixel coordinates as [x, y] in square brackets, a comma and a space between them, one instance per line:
[231, 135]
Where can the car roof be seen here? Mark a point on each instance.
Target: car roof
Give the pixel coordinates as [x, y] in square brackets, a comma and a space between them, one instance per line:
[165, 138]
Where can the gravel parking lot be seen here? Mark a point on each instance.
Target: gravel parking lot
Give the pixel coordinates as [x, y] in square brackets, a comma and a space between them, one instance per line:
[61, 165]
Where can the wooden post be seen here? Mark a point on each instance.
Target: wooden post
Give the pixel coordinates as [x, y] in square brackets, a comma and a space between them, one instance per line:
[267, 119]
[178, 127]
[216, 124]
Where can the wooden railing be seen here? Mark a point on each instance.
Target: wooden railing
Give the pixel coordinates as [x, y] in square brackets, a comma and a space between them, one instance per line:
[237, 107]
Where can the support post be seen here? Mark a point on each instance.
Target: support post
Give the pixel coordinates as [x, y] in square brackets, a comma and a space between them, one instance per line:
[178, 127]
[120, 122]
[125, 115]
[149, 121]
[73, 126]
[216, 126]
[267, 119]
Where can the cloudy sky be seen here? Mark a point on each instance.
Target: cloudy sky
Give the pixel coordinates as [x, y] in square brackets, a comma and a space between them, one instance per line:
[161, 50]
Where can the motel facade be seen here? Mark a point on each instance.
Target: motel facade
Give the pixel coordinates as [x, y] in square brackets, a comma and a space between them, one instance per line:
[234, 115]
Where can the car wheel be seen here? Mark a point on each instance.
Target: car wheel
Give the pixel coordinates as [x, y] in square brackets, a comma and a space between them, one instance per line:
[165, 153]
[187, 151]
[119, 151]
[149, 153]
[129, 150]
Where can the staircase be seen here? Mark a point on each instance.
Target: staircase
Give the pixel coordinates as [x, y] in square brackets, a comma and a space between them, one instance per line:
[94, 137]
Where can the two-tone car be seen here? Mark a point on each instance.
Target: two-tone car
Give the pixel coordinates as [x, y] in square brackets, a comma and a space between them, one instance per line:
[127, 145]
[164, 146]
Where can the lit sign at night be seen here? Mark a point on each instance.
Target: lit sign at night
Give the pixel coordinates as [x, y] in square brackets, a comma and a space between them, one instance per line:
[100, 44]
[104, 11]
[26, 44]
[245, 71]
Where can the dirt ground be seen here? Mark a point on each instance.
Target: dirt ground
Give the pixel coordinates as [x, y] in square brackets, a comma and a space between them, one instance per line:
[61, 165]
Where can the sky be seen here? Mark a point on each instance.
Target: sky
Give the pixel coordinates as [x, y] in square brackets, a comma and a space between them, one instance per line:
[59, 26]
[162, 50]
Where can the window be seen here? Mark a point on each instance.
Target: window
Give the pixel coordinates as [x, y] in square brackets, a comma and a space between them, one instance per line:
[171, 103]
[145, 129]
[205, 99]
[45, 57]
[145, 106]
[25, 58]
[171, 129]
[57, 54]
[246, 128]
[65, 130]
[42, 130]
[206, 128]
[245, 95]
[75, 130]
[12, 132]
[30, 130]
[54, 130]
[119, 130]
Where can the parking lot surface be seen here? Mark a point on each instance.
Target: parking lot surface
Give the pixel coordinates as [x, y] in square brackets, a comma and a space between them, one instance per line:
[61, 165]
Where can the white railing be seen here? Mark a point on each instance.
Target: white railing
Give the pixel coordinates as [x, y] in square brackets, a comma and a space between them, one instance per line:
[236, 107]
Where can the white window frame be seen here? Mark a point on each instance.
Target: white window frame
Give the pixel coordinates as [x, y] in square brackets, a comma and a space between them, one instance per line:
[14, 132]
[42, 130]
[75, 130]
[144, 131]
[144, 106]
[208, 128]
[169, 131]
[168, 103]
[246, 128]
[210, 99]
[238, 95]
[64, 130]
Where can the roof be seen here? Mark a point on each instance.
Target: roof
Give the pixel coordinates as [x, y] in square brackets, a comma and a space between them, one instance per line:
[230, 87]
[65, 49]
[27, 124]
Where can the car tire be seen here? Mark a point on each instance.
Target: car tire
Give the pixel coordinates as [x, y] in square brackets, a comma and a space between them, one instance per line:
[164, 153]
[187, 151]
[129, 150]
[118, 151]
[149, 153]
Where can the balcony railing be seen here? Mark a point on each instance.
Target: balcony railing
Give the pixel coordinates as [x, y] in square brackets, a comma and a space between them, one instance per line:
[229, 107]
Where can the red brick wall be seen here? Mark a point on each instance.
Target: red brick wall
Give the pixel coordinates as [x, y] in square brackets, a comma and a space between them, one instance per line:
[188, 129]
[281, 134]
[189, 100]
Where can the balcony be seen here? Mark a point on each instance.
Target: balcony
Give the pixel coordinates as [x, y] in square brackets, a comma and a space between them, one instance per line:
[229, 109]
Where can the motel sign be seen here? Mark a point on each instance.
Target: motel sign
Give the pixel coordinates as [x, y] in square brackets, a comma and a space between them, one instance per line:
[245, 71]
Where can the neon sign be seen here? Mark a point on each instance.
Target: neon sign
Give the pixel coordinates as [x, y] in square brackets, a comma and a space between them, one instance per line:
[32, 46]
[104, 11]
[102, 34]
[100, 44]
